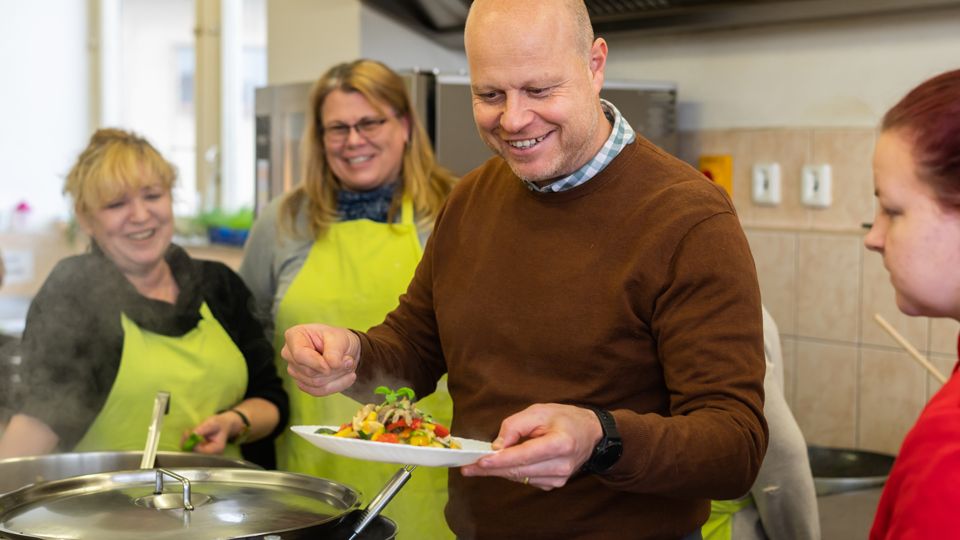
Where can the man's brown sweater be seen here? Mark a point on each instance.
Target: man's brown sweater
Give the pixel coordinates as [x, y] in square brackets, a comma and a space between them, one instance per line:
[634, 292]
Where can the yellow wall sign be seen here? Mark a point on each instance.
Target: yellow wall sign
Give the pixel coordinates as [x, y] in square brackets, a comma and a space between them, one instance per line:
[719, 168]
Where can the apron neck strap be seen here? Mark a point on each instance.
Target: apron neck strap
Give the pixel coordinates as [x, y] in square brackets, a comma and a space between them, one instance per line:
[406, 210]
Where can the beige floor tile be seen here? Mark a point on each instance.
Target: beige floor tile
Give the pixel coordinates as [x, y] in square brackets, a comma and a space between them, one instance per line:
[828, 287]
[879, 297]
[775, 256]
[826, 393]
[892, 394]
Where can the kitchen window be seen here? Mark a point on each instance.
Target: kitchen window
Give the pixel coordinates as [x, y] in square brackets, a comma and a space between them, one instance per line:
[182, 73]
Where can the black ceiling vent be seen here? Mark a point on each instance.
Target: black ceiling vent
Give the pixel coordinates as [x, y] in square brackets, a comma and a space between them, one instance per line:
[443, 20]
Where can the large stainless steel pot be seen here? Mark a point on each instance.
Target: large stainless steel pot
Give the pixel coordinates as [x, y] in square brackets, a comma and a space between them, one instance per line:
[18, 472]
[192, 504]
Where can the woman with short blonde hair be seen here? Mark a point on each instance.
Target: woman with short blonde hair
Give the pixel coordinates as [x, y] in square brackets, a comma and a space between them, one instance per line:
[137, 315]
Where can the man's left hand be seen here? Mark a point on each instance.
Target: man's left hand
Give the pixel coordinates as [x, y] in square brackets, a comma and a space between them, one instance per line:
[542, 445]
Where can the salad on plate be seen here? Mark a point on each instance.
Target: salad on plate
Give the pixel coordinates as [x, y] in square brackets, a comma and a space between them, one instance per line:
[396, 420]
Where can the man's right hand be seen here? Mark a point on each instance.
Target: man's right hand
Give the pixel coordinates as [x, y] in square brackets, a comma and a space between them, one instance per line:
[321, 359]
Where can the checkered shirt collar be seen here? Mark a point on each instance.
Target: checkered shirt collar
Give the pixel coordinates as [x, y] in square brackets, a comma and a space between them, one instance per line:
[620, 136]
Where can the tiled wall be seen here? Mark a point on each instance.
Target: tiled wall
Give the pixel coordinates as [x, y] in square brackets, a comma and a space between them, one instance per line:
[848, 382]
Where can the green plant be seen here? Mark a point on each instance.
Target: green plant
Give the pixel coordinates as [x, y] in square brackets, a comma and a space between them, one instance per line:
[240, 220]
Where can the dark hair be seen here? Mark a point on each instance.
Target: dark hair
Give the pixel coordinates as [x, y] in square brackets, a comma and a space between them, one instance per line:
[929, 115]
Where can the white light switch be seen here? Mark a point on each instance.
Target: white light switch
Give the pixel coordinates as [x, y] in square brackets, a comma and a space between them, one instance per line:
[766, 183]
[816, 186]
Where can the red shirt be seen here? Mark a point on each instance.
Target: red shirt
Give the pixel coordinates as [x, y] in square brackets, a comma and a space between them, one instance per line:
[921, 498]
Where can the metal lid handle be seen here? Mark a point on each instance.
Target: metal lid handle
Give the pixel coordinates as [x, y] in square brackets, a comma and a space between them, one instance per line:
[183, 481]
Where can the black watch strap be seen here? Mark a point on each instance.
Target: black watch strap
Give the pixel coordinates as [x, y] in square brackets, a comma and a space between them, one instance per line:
[609, 449]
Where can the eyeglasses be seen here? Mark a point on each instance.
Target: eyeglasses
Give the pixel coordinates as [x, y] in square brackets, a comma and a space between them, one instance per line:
[367, 127]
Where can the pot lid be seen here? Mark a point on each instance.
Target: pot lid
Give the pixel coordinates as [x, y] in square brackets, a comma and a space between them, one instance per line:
[21, 471]
[226, 503]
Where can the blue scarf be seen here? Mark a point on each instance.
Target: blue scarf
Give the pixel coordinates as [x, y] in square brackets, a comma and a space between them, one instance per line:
[372, 205]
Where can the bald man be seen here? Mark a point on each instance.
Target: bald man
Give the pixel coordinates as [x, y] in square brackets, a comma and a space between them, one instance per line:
[592, 298]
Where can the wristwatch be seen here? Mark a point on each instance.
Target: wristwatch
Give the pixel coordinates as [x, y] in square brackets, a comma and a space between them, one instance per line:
[610, 447]
[240, 437]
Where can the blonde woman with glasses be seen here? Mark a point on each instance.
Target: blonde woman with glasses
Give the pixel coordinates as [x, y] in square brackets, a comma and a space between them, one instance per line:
[342, 247]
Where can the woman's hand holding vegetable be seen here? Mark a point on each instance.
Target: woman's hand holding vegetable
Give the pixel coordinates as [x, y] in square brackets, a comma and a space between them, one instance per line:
[213, 433]
[542, 445]
[321, 359]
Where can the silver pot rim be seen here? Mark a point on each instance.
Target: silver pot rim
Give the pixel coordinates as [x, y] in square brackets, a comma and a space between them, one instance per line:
[227, 503]
[18, 472]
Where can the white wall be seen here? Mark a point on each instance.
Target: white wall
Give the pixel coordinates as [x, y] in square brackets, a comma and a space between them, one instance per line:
[305, 37]
[836, 73]
[839, 73]
[44, 103]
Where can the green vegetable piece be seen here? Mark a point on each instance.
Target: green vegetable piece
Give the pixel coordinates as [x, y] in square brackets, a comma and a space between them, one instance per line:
[326, 431]
[191, 442]
[408, 392]
[388, 394]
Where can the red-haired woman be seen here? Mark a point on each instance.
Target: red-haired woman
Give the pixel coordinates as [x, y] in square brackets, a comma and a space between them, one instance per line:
[917, 230]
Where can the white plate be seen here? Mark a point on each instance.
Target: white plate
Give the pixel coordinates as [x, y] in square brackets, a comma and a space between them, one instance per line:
[403, 454]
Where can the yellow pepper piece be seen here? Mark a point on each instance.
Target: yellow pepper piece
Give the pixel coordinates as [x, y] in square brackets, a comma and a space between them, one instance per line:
[419, 440]
[347, 432]
[425, 425]
[372, 416]
[371, 426]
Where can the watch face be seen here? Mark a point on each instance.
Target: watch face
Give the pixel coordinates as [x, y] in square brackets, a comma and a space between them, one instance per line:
[610, 447]
[607, 456]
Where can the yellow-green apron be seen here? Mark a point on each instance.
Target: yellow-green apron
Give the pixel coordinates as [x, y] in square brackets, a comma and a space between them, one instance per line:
[353, 276]
[719, 525]
[203, 370]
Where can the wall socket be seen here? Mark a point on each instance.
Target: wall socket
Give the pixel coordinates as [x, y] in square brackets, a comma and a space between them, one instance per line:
[816, 186]
[19, 266]
[766, 184]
